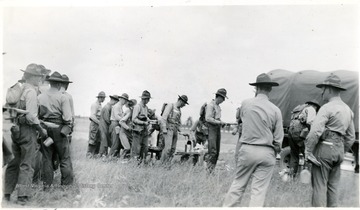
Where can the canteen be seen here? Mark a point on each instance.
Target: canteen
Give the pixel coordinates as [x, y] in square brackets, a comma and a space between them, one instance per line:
[48, 141]
[305, 176]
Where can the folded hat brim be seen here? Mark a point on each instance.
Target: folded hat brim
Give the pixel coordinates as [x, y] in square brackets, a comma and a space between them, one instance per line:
[116, 98]
[222, 95]
[30, 73]
[310, 102]
[56, 80]
[264, 83]
[124, 98]
[322, 85]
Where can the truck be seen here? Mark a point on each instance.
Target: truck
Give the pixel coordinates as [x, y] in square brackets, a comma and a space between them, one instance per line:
[299, 87]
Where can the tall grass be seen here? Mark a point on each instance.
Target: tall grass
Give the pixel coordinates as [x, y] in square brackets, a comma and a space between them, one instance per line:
[115, 184]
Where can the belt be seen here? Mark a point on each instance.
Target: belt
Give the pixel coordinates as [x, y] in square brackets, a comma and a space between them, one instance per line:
[263, 145]
[327, 143]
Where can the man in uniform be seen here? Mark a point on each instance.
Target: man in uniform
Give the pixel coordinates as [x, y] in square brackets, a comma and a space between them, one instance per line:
[298, 125]
[214, 123]
[55, 109]
[20, 169]
[261, 138]
[332, 133]
[94, 134]
[171, 121]
[126, 128]
[117, 113]
[104, 125]
[139, 147]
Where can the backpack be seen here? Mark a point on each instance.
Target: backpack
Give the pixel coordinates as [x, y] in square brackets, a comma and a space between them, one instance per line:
[297, 128]
[13, 95]
[203, 112]
[163, 109]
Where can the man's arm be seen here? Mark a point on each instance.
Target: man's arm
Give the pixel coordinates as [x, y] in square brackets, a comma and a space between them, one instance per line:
[106, 112]
[124, 119]
[317, 128]
[136, 112]
[93, 111]
[32, 107]
[278, 132]
[349, 137]
[209, 115]
[66, 110]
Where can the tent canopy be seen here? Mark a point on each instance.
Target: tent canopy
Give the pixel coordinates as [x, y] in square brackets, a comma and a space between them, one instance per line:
[298, 87]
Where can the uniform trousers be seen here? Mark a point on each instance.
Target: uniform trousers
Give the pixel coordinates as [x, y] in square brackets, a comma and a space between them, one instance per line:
[105, 137]
[139, 147]
[115, 139]
[213, 146]
[20, 169]
[94, 139]
[171, 138]
[62, 149]
[325, 179]
[256, 162]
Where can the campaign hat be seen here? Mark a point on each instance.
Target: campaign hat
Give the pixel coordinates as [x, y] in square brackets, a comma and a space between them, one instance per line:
[332, 81]
[184, 98]
[264, 79]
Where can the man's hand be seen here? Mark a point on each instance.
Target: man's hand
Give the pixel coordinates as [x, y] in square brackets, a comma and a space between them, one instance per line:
[43, 133]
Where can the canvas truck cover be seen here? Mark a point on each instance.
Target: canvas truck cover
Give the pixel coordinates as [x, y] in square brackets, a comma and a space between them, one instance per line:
[299, 87]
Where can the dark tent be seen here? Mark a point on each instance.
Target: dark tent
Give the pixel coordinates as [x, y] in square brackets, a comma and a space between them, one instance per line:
[298, 87]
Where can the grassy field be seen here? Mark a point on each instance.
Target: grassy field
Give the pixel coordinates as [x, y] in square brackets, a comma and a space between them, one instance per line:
[115, 184]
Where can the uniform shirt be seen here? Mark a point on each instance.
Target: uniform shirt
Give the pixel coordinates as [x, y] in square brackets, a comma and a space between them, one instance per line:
[29, 102]
[334, 116]
[213, 112]
[171, 115]
[95, 111]
[307, 115]
[125, 121]
[55, 105]
[261, 122]
[105, 113]
[117, 112]
[139, 108]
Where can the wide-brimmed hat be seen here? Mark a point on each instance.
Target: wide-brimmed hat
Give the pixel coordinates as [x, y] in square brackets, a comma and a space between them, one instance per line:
[65, 78]
[314, 102]
[221, 92]
[33, 69]
[124, 96]
[332, 81]
[101, 95]
[44, 71]
[145, 94]
[55, 77]
[115, 97]
[184, 98]
[264, 79]
[132, 102]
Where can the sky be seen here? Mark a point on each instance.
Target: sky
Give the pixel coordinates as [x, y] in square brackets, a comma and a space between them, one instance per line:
[174, 50]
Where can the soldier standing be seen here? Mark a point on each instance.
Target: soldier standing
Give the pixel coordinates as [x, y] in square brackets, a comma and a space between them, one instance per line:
[139, 147]
[55, 109]
[212, 117]
[126, 128]
[116, 114]
[261, 138]
[332, 133]
[20, 169]
[105, 123]
[171, 121]
[94, 134]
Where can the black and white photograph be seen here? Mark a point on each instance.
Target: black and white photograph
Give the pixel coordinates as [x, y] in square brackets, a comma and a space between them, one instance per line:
[123, 104]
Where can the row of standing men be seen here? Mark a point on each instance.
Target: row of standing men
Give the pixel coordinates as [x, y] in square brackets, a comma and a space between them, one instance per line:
[111, 127]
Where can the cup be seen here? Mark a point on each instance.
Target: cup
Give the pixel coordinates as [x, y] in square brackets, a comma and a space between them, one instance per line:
[48, 141]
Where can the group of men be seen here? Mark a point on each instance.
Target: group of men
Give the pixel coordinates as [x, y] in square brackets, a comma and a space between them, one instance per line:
[331, 134]
[43, 113]
[50, 113]
[113, 128]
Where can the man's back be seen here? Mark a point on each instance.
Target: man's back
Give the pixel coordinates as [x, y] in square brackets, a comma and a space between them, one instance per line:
[262, 121]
